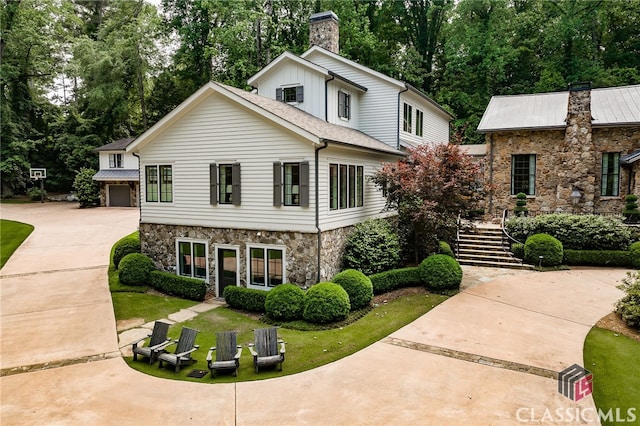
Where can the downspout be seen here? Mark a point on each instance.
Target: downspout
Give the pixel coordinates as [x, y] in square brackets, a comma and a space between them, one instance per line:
[326, 99]
[318, 230]
[139, 194]
[406, 89]
[491, 173]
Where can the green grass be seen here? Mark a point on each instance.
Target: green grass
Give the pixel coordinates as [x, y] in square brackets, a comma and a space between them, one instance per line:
[305, 349]
[613, 360]
[150, 307]
[12, 234]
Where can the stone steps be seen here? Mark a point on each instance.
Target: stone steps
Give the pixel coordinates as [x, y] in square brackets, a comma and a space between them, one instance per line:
[484, 247]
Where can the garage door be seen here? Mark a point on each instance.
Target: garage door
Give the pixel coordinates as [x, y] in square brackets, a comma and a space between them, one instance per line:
[119, 196]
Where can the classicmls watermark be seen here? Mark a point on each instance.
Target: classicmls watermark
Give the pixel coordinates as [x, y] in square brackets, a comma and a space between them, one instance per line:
[575, 382]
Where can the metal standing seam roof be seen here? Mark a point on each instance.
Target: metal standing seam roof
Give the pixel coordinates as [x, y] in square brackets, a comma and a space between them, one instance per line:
[312, 124]
[117, 174]
[614, 106]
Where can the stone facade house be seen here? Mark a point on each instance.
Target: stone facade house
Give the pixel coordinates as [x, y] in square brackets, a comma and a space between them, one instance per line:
[118, 176]
[258, 188]
[570, 151]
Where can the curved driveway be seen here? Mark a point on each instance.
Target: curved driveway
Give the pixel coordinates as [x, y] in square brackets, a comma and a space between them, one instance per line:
[489, 355]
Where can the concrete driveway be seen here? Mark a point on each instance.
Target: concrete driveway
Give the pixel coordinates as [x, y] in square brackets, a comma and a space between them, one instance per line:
[488, 356]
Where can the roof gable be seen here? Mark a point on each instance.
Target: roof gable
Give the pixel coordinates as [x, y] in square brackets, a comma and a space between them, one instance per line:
[280, 60]
[304, 124]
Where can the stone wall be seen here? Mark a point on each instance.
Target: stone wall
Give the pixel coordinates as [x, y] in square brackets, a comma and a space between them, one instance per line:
[563, 161]
[159, 243]
[324, 31]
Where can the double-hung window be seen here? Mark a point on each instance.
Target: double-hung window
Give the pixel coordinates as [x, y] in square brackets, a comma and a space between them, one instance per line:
[291, 184]
[344, 105]
[407, 118]
[610, 174]
[346, 186]
[523, 174]
[115, 161]
[266, 266]
[224, 183]
[419, 122]
[159, 183]
[192, 259]
[291, 94]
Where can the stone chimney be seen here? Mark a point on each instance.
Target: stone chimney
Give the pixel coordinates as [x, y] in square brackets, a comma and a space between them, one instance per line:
[324, 31]
[579, 156]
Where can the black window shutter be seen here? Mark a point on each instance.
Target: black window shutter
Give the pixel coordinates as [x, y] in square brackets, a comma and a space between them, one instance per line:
[341, 99]
[279, 94]
[235, 177]
[299, 94]
[347, 106]
[304, 184]
[213, 184]
[277, 183]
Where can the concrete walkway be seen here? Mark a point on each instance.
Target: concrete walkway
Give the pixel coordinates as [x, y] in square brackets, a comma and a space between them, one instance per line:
[487, 356]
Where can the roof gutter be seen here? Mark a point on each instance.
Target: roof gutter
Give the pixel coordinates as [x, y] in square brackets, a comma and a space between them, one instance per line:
[406, 89]
[317, 185]
[135, 154]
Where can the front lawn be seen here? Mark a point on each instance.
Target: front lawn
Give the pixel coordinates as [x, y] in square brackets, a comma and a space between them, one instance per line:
[12, 234]
[613, 360]
[305, 349]
[148, 307]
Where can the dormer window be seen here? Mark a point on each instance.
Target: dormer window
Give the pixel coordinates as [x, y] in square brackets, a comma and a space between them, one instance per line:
[290, 95]
[115, 161]
[344, 105]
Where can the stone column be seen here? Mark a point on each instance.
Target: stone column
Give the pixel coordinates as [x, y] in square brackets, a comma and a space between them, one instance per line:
[578, 156]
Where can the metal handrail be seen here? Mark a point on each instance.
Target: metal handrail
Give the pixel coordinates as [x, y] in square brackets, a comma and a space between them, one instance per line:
[505, 213]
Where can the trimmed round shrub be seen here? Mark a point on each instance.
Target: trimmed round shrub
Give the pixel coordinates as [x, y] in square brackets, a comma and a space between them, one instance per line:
[135, 269]
[285, 302]
[372, 247]
[124, 247]
[326, 302]
[357, 285]
[440, 272]
[445, 248]
[629, 306]
[634, 249]
[544, 245]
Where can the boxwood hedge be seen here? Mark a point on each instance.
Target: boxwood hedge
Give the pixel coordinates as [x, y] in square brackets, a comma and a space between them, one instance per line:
[176, 285]
[247, 299]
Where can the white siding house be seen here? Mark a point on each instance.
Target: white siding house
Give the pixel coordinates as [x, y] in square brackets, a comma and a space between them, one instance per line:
[118, 176]
[259, 188]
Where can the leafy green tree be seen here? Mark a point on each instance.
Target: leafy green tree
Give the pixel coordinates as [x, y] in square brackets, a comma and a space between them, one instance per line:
[86, 189]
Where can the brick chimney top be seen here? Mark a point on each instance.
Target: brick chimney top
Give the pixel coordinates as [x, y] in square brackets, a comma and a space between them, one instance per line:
[324, 31]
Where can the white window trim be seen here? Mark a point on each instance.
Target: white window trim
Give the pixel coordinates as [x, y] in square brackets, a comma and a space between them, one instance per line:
[411, 118]
[248, 248]
[206, 251]
[339, 162]
[115, 155]
[217, 272]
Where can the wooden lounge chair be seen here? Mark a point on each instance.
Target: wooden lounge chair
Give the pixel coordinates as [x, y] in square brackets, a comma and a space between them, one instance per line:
[158, 341]
[266, 348]
[185, 347]
[227, 353]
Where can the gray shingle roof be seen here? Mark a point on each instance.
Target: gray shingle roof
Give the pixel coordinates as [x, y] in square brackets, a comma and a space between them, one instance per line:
[305, 121]
[119, 145]
[117, 174]
[614, 106]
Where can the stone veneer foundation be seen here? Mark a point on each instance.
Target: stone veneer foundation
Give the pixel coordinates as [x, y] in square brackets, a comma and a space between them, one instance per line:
[159, 242]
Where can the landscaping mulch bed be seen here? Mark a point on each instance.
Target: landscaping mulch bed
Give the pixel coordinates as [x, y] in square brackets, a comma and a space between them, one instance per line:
[614, 323]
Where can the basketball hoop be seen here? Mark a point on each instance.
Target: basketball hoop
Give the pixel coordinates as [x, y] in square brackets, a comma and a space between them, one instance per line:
[39, 174]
